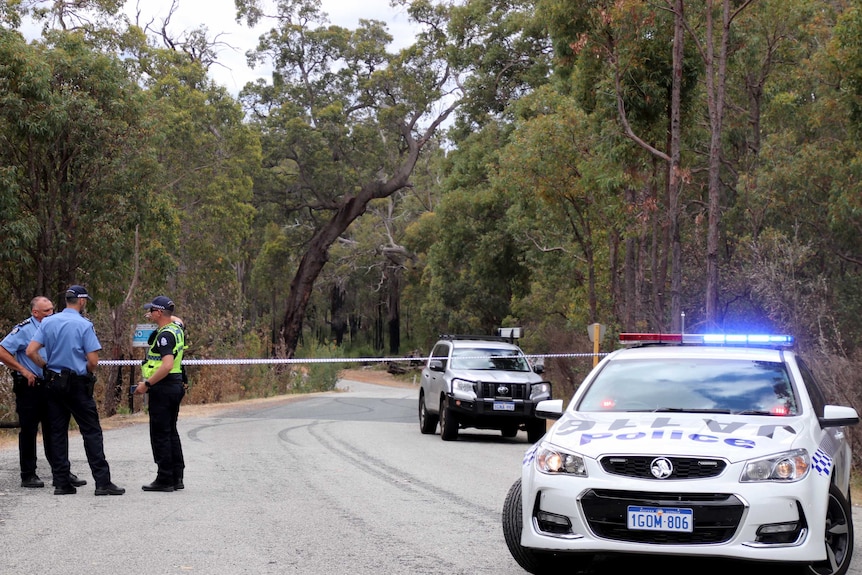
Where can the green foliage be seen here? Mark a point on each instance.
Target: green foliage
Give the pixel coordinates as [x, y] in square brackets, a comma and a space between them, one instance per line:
[76, 135]
[318, 375]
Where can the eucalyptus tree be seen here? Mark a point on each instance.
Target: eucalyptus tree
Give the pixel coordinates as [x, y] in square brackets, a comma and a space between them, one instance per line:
[804, 192]
[76, 149]
[343, 124]
[626, 62]
[574, 198]
[207, 156]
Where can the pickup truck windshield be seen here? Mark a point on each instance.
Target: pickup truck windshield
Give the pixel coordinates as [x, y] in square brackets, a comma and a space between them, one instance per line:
[492, 359]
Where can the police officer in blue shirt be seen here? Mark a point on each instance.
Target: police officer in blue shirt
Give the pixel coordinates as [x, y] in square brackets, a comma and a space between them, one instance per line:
[71, 356]
[28, 386]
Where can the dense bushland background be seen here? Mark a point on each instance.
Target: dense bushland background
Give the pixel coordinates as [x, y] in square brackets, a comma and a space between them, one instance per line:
[549, 164]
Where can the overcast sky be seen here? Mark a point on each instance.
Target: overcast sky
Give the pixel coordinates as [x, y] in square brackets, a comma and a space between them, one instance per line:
[219, 16]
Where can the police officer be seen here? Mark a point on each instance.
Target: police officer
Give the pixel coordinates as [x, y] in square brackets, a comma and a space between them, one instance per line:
[163, 380]
[28, 385]
[71, 356]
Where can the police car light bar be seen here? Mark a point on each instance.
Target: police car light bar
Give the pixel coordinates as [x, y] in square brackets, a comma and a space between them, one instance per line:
[707, 339]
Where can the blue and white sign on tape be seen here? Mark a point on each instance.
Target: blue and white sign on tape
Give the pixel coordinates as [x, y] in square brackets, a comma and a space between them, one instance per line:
[142, 334]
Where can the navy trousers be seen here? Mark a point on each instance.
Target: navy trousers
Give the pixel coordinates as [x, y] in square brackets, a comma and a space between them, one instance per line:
[32, 408]
[164, 406]
[76, 400]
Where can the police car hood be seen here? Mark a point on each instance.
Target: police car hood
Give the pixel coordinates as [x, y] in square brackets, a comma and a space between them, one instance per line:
[497, 376]
[732, 437]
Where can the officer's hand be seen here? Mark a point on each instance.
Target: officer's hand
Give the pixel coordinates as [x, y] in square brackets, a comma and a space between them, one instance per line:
[141, 389]
[30, 376]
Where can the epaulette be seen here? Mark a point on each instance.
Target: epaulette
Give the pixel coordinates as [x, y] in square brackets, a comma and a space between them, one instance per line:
[18, 326]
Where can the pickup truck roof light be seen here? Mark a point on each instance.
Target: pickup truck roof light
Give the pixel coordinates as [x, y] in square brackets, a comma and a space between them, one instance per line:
[743, 340]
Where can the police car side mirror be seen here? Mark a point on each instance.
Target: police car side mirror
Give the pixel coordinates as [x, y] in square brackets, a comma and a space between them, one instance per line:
[539, 368]
[436, 365]
[838, 416]
[550, 409]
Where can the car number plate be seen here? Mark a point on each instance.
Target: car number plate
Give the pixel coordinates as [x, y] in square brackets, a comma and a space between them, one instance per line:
[660, 518]
[504, 406]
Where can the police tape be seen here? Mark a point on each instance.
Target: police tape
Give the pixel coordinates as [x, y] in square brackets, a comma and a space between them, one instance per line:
[290, 361]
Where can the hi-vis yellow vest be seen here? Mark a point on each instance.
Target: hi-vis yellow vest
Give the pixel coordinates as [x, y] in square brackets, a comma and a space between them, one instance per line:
[154, 360]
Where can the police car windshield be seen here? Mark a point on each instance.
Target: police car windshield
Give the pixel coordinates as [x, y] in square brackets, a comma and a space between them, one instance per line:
[489, 359]
[692, 385]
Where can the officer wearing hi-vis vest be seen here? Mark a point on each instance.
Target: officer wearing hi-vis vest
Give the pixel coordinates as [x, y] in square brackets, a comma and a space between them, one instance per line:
[163, 381]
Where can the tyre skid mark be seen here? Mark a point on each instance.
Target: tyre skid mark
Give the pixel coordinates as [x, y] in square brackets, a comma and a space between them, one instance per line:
[380, 539]
[411, 484]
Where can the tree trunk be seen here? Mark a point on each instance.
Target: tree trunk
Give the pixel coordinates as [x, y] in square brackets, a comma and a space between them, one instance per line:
[393, 307]
[317, 253]
[630, 298]
[675, 179]
[338, 323]
[310, 266]
[716, 73]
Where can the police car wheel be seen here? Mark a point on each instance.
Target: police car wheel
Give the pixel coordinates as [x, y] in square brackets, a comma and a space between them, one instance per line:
[531, 560]
[839, 536]
[427, 421]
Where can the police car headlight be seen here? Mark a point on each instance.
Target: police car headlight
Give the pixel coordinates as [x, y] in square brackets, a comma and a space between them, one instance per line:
[540, 390]
[463, 389]
[785, 467]
[555, 461]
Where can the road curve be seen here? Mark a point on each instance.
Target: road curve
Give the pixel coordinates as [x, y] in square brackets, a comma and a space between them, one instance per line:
[332, 483]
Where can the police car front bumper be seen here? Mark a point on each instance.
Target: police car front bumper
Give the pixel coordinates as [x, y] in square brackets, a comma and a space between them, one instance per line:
[751, 521]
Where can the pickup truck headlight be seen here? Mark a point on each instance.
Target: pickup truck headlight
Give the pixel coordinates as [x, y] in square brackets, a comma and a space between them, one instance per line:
[555, 461]
[786, 467]
[463, 389]
[540, 390]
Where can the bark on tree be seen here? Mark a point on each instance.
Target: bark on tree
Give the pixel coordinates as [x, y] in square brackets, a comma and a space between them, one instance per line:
[716, 84]
[353, 206]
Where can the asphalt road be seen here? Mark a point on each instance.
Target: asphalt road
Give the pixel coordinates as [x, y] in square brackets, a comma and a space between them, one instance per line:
[328, 484]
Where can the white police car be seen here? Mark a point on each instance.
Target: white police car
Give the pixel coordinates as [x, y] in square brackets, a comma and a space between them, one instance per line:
[697, 445]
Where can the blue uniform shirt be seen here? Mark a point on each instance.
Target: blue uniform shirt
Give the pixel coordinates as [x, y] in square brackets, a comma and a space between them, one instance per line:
[17, 341]
[67, 338]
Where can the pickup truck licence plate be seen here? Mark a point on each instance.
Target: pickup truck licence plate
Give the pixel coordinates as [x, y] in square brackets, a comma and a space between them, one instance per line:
[504, 406]
[660, 518]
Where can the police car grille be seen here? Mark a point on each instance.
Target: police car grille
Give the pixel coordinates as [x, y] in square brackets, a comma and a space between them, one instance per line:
[716, 515]
[503, 390]
[683, 467]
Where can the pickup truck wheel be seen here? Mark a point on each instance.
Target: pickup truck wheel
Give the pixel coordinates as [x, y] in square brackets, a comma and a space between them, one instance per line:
[427, 421]
[448, 422]
[536, 430]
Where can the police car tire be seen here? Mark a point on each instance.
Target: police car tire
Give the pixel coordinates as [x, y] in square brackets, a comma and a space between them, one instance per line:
[427, 421]
[839, 536]
[531, 560]
[448, 422]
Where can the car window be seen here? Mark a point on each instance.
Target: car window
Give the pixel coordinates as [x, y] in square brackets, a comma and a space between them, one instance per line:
[818, 401]
[698, 385]
[441, 352]
[489, 358]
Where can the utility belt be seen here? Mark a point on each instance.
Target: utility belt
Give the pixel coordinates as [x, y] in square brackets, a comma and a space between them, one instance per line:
[64, 381]
[19, 382]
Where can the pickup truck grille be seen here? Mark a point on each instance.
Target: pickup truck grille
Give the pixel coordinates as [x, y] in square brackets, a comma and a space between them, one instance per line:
[503, 390]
